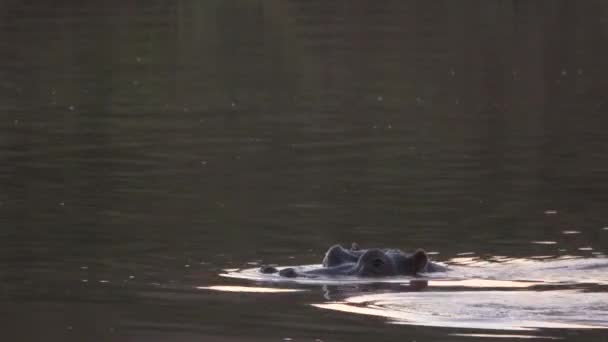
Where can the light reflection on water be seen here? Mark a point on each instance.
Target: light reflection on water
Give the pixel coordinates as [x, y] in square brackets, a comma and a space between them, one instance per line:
[495, 310]
[511, 336]
[245, 289]
[565, 269]
[498, 293]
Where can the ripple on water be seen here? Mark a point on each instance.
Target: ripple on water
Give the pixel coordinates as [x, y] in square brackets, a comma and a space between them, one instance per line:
[507, 294]
[251, 289]
[254, 275]
[565, 269]
[498, 310]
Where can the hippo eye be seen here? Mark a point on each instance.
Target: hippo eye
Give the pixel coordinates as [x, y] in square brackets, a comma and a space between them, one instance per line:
[377, 263]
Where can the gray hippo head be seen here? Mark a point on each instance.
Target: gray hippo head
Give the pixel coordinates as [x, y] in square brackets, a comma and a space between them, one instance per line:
[374, 262]
[379, 263]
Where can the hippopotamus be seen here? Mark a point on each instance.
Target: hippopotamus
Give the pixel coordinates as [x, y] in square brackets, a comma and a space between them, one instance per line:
[373, 262]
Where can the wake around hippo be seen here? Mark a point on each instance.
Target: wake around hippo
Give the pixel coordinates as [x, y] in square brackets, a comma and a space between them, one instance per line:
[374, 262]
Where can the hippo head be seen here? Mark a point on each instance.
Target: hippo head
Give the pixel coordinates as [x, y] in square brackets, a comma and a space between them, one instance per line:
[378, 263]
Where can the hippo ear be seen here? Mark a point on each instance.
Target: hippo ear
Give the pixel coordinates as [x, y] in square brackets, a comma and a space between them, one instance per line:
[420, 259]
[355, 247]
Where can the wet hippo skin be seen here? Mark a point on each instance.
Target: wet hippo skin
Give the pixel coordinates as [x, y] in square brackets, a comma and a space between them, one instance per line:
[374, 262]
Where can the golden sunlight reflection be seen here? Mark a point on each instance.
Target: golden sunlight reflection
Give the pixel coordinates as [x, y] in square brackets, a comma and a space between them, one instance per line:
[399, 317]
[247, 289]
[521, 310]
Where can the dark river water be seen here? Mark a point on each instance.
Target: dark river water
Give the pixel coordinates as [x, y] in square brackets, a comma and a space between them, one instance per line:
[148, 146]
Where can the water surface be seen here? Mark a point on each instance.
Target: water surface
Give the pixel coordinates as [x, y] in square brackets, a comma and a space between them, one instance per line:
[147, 147]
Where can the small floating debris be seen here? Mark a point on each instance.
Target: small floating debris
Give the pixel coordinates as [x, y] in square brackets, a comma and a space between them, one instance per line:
[585, 248]
[432, 253]
[570, 232]
[544, 242]
[250, 289]
[605, 228]
[550, 212]
[103, 281]
[465, 253]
